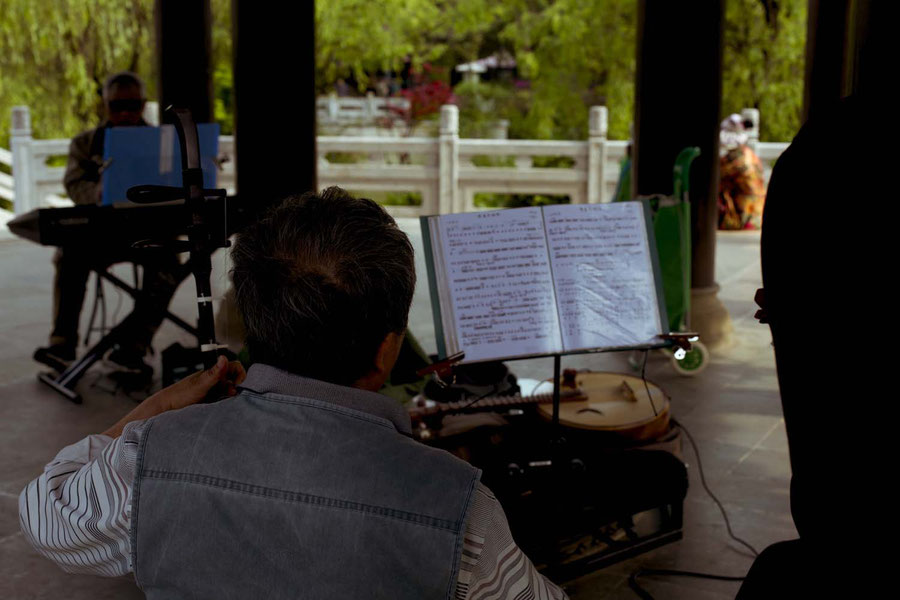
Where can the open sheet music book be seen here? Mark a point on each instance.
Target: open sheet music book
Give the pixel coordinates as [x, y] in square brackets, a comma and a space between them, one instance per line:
[544, 280]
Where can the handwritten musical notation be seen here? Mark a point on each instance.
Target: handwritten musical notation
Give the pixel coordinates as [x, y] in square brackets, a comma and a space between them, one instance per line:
[533, 281]
[603, 275]
[498, 272]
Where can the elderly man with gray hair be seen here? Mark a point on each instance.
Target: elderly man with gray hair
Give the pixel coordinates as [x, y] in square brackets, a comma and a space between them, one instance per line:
[307, 483]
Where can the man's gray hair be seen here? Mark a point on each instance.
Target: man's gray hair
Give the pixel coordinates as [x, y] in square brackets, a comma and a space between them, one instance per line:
[320, 281]
[124, 79]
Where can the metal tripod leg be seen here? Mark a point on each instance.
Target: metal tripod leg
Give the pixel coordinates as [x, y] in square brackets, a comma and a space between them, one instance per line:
[65, 382]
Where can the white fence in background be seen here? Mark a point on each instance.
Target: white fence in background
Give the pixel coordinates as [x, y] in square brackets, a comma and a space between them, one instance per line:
[445, 172]
[768, 153]
[7, 191]
[335, 110]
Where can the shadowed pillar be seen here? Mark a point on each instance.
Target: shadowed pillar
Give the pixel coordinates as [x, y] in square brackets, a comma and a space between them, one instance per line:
[275, 99]
[826, 54]
[183, 50]
[678, 104]
[849, 49]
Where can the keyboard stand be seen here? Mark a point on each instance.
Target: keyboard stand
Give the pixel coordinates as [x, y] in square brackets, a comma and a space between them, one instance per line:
[64, 383]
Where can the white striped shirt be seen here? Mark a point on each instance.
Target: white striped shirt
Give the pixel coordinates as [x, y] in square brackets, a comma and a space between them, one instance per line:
[77, 513]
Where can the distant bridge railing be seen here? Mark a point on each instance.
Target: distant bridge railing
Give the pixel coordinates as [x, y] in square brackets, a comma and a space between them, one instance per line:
[7, 185]
[341, 110]
[431, 175]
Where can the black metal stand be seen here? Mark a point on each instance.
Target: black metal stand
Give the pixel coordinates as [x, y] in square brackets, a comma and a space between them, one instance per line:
[557, 360]
[65, 382]
[99, 303]
[201, 243]
[562, 465]
[557, 441]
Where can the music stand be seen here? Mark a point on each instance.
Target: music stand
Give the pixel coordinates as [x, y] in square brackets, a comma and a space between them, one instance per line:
[152, 156]
[141, 154]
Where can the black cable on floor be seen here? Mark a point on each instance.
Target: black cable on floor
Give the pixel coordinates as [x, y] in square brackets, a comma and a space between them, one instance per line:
[632, 579]
[709, 491]
[645, 595]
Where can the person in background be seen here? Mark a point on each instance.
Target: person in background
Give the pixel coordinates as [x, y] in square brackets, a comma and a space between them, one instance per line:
[341, 87]
[308, 482]
[829, 292]
[123, 99]
[742, 191]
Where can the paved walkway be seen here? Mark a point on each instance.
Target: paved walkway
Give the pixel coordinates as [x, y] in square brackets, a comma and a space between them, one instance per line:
[5, 217]
[733, 410]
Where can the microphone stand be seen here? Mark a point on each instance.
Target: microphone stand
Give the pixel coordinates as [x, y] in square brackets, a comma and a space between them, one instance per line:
[201, 242]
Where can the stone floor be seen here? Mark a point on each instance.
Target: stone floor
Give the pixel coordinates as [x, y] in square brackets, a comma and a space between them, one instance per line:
[732, 409]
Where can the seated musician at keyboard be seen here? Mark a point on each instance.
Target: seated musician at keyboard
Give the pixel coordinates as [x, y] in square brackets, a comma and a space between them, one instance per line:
[123, 97]
[307, 483]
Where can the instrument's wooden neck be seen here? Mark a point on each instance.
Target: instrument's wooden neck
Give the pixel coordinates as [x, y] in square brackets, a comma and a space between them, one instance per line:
[488, 402]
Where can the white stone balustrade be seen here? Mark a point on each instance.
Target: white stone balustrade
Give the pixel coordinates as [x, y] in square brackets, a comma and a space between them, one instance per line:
[446, 171]
[7, 185]
[336, 110]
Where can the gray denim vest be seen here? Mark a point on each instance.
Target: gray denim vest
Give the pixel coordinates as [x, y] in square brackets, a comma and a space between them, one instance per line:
[309, 494]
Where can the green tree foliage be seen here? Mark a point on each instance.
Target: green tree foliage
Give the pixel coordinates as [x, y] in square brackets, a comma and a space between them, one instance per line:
[356, 38]
[575, 53]
[54, 57]
[346, 48]
[482, 104]
[223, 81]
[55, 54]
[764, 63]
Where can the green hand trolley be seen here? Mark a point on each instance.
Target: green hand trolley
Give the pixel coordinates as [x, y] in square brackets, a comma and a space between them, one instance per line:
[672, 228]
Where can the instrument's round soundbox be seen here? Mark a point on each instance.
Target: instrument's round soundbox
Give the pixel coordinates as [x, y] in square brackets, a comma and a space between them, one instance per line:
[616, 403]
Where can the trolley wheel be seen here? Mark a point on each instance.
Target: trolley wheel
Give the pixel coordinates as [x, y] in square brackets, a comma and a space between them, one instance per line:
[694, 361]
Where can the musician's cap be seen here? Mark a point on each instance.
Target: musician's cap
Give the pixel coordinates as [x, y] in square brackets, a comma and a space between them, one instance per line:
[123, 79]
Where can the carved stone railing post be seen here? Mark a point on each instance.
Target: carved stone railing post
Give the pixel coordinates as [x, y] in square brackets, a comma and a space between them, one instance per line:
[20, 140]
[448, 161]
[596, 180]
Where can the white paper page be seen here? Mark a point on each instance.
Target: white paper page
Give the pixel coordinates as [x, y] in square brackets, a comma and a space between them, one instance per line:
[603, 274]
[501, 289]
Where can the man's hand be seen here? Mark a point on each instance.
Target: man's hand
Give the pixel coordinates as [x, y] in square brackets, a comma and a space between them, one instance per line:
[760, 299]
[223, 376]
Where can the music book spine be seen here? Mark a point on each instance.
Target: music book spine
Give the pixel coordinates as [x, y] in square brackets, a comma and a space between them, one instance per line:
[654, 261]
[436, 311]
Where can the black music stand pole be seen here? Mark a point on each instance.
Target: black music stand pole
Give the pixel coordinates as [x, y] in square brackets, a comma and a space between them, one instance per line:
[201, 240]
[557, 359]
[199, 237]
[557, 441]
